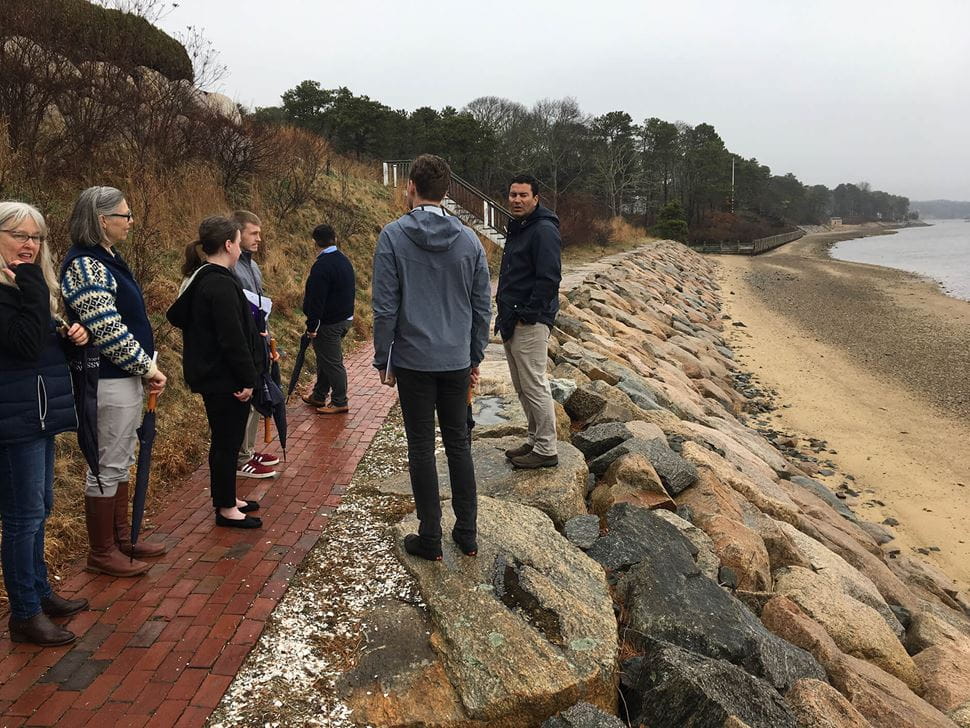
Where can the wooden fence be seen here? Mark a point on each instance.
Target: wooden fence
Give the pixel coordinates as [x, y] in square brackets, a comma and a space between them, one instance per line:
[753, 248]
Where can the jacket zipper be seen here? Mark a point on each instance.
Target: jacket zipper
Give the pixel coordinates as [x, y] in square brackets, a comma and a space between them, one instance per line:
[42, 402]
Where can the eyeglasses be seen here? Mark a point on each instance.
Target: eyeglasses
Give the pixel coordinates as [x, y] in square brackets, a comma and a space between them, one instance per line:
[127, 215]
[22, 237]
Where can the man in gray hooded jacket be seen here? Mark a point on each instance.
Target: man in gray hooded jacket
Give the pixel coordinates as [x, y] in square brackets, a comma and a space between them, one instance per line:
[431, 298]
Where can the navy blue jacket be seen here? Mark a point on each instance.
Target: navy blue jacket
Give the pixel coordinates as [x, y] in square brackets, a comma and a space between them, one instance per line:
[36, 395]
[330, 290]
[528, 283]
[129, 302]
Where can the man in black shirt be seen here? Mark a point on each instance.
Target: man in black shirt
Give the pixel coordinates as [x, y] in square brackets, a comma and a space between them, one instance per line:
[329, 307]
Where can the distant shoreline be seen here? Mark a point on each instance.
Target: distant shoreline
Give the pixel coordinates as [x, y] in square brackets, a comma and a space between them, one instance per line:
[872, 360]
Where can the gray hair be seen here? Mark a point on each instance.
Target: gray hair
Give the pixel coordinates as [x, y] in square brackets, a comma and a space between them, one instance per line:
[84, 225]
[14, 213]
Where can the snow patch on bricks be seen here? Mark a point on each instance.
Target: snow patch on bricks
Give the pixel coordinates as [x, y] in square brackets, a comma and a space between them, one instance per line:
[314, 634]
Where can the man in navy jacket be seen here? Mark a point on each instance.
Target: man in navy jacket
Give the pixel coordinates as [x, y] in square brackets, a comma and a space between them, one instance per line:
[528, 301]
[329, 307]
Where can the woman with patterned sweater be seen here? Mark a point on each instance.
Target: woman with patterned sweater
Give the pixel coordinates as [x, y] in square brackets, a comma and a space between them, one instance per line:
[36, 404]
[101, 292]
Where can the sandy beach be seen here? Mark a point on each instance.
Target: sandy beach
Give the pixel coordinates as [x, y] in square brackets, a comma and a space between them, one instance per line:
[875, 362]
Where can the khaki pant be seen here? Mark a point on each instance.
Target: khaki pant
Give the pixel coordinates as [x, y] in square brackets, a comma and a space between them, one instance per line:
[526, 353]
[248, 448]
[119, 415]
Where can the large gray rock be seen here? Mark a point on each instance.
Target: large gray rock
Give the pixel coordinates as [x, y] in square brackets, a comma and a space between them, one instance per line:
[676, 473]
[584, 715]
[598, 439]
[527, 627]
[583, 531]
[667, 598]
[634, 534]
[705, 558]
[675, 688]
[562, 389]
[558, 492]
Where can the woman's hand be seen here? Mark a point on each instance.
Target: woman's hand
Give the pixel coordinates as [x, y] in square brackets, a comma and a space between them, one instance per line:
[78, 335]
[244, 395]
[156, 382]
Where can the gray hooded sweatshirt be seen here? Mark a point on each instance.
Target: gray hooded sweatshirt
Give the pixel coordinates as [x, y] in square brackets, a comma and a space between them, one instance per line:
[431, 294]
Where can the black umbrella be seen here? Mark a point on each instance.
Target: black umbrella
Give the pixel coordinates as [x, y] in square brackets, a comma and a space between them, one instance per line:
[146, 438]
[268, 398]
[84, 363]
[298, 364]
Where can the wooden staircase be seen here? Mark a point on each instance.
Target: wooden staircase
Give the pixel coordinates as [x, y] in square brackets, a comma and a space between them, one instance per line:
[466, 202]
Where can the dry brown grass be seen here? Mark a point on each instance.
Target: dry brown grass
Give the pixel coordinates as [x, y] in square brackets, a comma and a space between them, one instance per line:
[622, 236]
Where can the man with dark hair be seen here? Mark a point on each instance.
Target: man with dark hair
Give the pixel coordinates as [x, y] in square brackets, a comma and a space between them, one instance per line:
[431, 316]
[328, 303]
[528, 301]
[252, 464]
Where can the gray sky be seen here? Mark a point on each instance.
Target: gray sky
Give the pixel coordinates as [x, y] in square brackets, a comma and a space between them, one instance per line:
[831, 91]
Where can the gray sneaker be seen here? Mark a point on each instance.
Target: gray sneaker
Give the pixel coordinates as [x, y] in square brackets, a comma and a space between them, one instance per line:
[534, 460]
[517, 452]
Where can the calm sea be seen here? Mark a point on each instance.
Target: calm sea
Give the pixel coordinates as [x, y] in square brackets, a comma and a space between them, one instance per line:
[940, 252]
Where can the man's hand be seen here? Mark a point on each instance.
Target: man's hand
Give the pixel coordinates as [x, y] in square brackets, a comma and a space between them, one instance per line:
[388, 380]
[312, 334]
[244, 395]
[474, 376]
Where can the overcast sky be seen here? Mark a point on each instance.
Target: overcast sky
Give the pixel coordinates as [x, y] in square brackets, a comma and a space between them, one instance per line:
[831, 91]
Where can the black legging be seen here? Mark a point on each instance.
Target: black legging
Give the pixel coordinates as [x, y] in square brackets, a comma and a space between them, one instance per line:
[227, 423]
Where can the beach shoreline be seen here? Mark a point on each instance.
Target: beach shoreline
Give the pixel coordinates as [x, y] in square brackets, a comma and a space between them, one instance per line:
[872, 360]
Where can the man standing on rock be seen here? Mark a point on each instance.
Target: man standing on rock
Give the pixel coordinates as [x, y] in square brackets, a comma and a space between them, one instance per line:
[431, 313]
[528, 301]
[329, 307]
[252, 464]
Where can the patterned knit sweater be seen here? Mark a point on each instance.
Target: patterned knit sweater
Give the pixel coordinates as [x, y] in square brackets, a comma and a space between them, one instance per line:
[90, 289]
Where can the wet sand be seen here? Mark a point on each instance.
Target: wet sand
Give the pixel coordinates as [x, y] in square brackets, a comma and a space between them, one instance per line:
[877, 363]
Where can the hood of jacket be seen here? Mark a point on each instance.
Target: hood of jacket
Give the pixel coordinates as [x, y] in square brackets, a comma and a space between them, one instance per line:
[430, 231]
[179, 312]
[537, 215]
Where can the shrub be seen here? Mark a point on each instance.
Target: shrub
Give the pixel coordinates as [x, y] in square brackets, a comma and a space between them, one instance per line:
[670, 223]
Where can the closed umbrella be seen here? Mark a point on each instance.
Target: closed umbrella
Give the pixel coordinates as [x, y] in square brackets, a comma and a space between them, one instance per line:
[279, 407]
[470, 415]
[146, 438]
[269, 401]
[84, 363]
[298, 364]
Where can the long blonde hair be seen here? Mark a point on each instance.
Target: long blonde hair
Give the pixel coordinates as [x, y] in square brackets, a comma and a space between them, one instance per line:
[14, 213]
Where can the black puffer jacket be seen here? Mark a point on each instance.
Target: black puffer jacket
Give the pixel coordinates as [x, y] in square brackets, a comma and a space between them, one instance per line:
[36, 396]
[222, 351]
[528, 284]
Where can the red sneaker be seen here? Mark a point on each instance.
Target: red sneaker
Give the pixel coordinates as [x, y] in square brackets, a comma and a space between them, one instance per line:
[255, 469]
[264, 458]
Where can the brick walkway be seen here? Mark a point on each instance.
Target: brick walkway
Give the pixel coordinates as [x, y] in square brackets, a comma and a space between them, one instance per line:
[161, 650]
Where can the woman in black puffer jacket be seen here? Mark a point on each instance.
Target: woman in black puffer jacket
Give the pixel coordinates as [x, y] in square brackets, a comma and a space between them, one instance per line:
[36, 403]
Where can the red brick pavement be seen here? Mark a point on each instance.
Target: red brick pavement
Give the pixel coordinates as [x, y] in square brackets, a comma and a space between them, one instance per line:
[160, 650]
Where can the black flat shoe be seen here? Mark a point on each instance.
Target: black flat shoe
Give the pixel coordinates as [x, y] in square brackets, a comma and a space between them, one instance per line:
[39, 630]
[249, 507]
[469, 547]
[416, 547]
[55, 606]
[247, 522]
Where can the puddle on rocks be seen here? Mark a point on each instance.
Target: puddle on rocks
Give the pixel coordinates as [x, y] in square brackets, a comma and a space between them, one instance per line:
[488, 411]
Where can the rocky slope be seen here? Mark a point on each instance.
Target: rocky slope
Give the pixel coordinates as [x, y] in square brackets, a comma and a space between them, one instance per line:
[746, 591]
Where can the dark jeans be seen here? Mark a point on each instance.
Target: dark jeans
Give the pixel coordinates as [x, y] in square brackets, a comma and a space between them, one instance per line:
[26, 499]
[227, 421]
[422, 394]
[331, 374]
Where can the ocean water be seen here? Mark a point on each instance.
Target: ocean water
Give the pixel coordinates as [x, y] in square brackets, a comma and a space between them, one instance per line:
[940, 252]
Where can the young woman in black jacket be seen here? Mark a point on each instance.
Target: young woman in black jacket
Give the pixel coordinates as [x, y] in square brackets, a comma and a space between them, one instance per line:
[36, 403]
[220, 357]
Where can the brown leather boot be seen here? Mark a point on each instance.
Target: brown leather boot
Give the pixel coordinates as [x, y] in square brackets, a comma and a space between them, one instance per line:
[39, 630]
[104, 557]
[123, 530]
